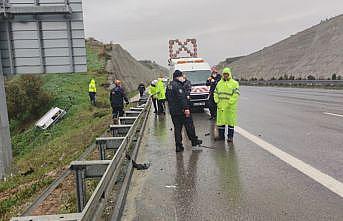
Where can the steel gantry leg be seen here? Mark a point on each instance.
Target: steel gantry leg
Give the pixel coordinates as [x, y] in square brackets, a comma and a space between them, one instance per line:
[5, 139]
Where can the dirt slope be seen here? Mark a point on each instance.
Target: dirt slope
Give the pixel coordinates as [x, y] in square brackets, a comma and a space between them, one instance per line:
[121, 65]
[316, 51]
[227, 62]
[156, 68]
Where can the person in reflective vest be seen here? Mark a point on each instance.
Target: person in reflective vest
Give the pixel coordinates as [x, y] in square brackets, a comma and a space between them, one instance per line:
[226, 96]
[161, 95]
[153, 93]
[92, 91]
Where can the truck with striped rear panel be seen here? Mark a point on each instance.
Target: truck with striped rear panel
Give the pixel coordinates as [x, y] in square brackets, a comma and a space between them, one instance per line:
[196, 69]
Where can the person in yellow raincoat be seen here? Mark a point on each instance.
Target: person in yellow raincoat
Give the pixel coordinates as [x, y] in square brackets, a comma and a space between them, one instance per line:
[226, 96]
[92, 91]
[161, 95]
[153, 93]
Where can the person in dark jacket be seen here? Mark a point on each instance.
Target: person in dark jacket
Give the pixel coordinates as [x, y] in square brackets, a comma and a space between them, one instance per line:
[188, 87]
[180, 112]
[141, 89]
[117, 98]
[212, 81]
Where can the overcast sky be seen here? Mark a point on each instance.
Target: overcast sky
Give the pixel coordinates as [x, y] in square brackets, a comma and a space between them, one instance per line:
[223, 28]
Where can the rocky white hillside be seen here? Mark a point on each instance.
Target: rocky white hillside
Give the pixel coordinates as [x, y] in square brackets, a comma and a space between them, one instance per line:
[316, 51]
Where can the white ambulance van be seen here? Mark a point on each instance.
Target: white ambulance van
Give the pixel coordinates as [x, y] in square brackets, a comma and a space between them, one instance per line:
[197, 71]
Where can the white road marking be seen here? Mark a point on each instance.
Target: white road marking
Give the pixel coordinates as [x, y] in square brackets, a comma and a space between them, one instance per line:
[322, 178]
[315, 174]
[332, 114]
[175, 213]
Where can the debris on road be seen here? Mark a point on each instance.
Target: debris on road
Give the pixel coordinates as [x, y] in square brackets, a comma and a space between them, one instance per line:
[138, 166]
[207, 147]
[172, 186]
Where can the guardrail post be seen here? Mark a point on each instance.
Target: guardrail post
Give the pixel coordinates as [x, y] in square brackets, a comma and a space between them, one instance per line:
[102, 150]
[102, 146]
[132, 113]
[127, 120]
[80, 188]
[143, 100]
[119, 130]
[108, 143]
[136, 109]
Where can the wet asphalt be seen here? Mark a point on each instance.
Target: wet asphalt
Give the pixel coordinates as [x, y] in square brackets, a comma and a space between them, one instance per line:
[242, 181]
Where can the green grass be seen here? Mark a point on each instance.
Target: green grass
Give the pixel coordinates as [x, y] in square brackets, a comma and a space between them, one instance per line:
[48, 152]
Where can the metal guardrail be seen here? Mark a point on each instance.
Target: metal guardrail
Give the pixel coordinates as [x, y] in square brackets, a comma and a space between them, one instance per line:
[295, 82]
[119, 207]
[108, 170]
[40, 199]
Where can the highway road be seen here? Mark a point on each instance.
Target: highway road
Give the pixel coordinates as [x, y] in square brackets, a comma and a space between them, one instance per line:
[286, 163]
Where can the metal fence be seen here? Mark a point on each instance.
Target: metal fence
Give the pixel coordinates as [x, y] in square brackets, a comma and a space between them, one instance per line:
[123, 136]
[332, 83]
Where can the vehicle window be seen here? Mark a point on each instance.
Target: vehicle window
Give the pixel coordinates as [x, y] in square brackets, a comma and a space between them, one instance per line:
[198, 77]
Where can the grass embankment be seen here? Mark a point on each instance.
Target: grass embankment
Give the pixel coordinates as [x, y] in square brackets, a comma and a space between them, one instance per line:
[42, 155]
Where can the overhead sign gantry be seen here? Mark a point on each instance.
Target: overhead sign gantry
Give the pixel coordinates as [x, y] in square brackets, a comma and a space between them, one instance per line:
[37, 37]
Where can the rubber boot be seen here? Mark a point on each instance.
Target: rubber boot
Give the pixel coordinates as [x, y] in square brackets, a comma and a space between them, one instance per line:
[221, 133]
[196, 142]
[231, 131]
[196, 145]
[179, 149]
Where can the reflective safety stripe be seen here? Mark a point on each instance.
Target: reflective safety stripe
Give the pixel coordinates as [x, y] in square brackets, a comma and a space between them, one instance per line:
[224, 98]
[225, 93]
[236, 91]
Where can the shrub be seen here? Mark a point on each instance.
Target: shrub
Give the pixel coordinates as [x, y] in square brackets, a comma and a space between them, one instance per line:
[26, 98]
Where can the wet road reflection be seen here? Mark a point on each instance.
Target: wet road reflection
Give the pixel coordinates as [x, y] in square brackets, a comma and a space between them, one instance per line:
[224, 182]
[159, 127]
[229, 179]
[186, 186]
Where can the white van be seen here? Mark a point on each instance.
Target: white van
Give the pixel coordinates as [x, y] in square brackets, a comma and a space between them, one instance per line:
[197, 71]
